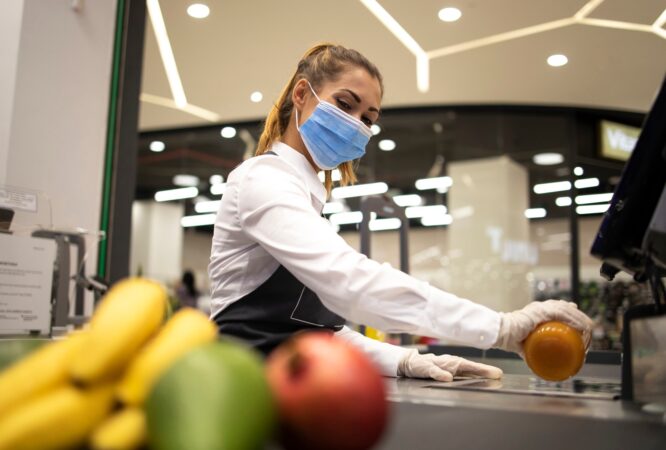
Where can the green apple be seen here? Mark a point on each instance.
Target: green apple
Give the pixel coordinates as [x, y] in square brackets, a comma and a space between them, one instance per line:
[214, 397]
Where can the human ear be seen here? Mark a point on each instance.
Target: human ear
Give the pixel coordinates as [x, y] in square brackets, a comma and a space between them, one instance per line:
[298, 93]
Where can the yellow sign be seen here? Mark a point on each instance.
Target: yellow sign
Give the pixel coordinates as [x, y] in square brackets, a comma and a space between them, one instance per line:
[617, 140]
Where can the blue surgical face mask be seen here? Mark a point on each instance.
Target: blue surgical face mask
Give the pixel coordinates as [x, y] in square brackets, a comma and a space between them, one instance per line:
[332, 136]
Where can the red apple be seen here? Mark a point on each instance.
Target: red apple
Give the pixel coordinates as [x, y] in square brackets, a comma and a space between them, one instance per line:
[329, 395]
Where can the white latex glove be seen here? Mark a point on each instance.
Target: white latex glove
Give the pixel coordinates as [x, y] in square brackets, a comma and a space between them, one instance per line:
[444, 367]
[515, 326]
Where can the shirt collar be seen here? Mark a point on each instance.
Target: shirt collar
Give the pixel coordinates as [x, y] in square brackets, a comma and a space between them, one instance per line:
[301, 163]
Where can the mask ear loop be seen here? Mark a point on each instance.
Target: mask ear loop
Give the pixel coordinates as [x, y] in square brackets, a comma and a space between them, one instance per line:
[313, 91]
[296, 109]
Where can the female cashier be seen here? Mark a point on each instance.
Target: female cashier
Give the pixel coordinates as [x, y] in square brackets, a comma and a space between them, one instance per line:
[278, 267]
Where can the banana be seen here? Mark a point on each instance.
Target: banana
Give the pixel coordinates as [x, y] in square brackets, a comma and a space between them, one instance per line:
[124, 430]
[62, 418]
[38, 372]
[126, 318]
[187, 329]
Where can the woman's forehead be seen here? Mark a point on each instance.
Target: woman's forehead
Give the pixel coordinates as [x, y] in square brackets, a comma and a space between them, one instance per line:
[360, 81]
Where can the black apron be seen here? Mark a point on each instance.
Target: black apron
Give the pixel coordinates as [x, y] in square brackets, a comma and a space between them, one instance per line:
[274, 311]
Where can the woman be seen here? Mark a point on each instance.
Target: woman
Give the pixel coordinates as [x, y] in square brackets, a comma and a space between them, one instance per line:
[187, 292]
[278, 267]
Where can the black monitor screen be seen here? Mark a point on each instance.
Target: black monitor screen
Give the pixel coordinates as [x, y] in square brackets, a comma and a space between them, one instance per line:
[619, 240]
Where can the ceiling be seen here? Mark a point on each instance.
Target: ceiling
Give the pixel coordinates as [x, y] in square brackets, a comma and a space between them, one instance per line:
[246, 46]
[492, 98]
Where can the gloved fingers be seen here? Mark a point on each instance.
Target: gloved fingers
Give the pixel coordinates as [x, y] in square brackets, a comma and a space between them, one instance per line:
[437, 373]
[566, 312]
[479, 370]
[464, 367]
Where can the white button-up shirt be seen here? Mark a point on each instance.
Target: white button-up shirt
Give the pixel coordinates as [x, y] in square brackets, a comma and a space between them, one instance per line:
[270, 214]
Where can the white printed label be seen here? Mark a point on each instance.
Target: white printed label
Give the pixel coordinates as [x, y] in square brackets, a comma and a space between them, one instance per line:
[18, 200]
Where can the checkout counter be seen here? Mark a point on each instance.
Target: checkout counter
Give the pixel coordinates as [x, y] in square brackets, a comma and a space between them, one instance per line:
[521, 412]
[608, 404]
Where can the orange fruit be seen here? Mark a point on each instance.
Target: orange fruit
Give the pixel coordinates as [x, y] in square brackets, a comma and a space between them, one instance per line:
[554, 351]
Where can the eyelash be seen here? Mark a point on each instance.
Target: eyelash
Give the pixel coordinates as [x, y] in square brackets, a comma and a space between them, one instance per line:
[347, 107]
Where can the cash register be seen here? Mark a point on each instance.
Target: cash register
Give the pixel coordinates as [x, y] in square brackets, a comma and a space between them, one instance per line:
[632, 239]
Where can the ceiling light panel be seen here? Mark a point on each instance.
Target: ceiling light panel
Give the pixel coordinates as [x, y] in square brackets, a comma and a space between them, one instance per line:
[218, 189]
[535, 213]
[197, 221]
[207, 207]
[547, 159]
[439, 183]
[359, 190]
[185, 180]
[408, 200]
[166, 52]
[176, 194]
[556, 186]
[592, 209]
[584, 183]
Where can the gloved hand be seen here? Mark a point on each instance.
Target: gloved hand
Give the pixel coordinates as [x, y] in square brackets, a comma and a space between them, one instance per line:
[515, 326]
[443, 367]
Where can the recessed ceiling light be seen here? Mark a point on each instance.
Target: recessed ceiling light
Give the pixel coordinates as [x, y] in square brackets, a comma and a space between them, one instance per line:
[578, 171]
[216, 179]
[376, 129]
[449, 14]
[256, 97]
[185, 180]
[547, 159]
[387, 145]
[557, 60]
[157, 146]
[228, 132]
[198, 10]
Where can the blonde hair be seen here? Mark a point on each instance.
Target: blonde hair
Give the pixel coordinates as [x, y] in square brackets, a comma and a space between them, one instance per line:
[321, 63]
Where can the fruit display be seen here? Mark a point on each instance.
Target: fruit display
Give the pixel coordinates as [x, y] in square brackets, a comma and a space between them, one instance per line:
[87, 388]
[554, 351]
[135, 379]
[329, 395]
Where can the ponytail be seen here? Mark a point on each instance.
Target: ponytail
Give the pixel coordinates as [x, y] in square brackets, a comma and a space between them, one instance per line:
[321, 63]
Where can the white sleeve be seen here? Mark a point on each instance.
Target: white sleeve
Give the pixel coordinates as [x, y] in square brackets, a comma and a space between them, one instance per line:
[385, 356]
[274, 210]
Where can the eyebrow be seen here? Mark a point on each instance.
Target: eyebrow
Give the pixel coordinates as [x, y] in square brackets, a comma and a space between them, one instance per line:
[358, 99]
